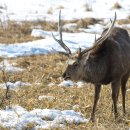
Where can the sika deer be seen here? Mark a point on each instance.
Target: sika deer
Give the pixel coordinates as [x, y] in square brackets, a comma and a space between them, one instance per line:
[107, 61]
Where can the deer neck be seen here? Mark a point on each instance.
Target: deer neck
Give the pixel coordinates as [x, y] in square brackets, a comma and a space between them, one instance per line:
[95, 70]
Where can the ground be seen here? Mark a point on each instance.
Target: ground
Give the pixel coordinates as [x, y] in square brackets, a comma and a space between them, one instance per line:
[44, 72]
[45, 69]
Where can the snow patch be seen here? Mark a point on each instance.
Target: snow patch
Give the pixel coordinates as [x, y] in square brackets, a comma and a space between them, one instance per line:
[15, 85]
[40, 33]
[67, 83]
[33, 10]
[96, 29]
[18, 117]
[5, 65]
[45, 97]
[70, 27]
[45, 46]
[70, 83]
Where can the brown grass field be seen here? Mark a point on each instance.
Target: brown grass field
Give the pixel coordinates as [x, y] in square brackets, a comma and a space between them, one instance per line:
[44, 69]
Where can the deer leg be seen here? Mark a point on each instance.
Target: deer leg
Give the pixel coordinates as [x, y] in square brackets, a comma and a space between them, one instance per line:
[123, 91]
[115, 92]
[117, 95]
[96, 98]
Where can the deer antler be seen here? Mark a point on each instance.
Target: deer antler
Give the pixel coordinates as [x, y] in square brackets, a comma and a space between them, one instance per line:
[100, 40]
[97, 42]
[60, 41]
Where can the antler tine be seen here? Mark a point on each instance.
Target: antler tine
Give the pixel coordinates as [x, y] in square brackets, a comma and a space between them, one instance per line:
[107, 33]
[60, 41]
[102, 38]
[95, 38]
[60, 25]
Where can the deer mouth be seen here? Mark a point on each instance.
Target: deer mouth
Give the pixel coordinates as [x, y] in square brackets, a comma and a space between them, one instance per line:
[67, 78]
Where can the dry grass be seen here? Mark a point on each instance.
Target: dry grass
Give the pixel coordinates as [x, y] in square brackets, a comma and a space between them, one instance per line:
[84, 23]
[60, 7]
[123, 21]
[14, 32]
[128, 17]
[45, 69]
[117, 6]
[50, 10]
[87, 7]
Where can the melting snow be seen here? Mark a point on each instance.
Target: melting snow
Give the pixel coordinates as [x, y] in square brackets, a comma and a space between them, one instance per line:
[67, 83]
[44, 46]
[96, 29]
[44, 97]
[70, 27]
[70, 83]
[4, 65]
[14, 85]
[40, 33]
[17, 117]
[37, 9]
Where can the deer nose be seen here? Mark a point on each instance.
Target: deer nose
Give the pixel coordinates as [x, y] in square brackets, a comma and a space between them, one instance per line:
[64, 75]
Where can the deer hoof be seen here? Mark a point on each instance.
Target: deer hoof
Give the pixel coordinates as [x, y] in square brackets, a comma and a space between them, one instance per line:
[92, 119]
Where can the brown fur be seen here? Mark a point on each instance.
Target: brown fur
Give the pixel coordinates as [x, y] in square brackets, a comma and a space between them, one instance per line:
[107, 63]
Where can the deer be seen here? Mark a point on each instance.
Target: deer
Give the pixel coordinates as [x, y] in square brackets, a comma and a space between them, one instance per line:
[107, 61]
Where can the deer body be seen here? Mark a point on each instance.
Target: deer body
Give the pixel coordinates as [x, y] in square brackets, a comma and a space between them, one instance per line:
[107, 61]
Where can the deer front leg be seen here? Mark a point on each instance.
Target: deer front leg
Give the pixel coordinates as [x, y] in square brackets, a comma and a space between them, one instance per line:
[96, 98]
[115, 91]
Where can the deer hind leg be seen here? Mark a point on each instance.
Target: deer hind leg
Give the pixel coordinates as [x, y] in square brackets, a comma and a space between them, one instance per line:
[115, 92]
[123, 91]
[117, 95]
[96, 98]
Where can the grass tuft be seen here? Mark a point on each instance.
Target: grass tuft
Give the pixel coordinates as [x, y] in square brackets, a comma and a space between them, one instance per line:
[84, 23]
[123, 21]
[117, 6]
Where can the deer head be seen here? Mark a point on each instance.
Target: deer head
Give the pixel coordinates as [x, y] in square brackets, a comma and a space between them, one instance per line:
[74, 71]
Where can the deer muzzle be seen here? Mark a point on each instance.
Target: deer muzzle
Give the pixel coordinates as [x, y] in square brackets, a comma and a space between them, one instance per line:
[66, 76]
